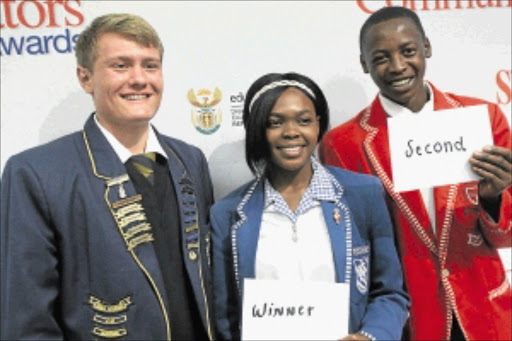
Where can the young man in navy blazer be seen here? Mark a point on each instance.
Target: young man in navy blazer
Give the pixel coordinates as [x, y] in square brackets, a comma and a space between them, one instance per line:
[95, 243]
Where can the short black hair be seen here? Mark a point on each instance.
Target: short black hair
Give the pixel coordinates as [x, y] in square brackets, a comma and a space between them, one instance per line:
[385, 14]
[257, 153]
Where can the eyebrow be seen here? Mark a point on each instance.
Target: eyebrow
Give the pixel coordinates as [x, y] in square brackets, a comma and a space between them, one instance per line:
[129, 59]
[299, 113]
[410, 42]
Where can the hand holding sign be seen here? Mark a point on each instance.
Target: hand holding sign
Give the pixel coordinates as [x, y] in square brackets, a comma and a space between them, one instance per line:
[494, 165]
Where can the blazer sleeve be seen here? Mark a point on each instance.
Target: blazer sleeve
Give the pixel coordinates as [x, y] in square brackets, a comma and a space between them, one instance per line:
[499, 233]
[388, 304]
[29, 258]
[225, 292]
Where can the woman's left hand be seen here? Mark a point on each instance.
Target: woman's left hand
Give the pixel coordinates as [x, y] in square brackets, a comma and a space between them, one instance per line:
[494, 164]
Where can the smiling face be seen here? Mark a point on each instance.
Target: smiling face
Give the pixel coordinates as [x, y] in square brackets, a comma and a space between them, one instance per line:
[394, 52]
[292, 132]
[126, 82]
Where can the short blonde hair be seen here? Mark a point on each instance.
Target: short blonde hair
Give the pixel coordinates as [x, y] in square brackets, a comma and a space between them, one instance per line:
[128, 25]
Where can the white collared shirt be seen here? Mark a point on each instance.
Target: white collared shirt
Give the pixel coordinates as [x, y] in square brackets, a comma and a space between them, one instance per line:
[152, 144]
[394, 109]
[297, 247]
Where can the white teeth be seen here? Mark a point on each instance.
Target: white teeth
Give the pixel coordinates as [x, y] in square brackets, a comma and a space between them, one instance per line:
[135, 97]
[401, 82]
[290, 148]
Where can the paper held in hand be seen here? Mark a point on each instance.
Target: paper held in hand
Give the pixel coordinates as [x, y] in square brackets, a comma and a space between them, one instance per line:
[292, 310]
[433, 149]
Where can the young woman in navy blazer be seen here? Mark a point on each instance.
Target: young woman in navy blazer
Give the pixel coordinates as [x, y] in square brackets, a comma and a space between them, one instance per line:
[299, 220]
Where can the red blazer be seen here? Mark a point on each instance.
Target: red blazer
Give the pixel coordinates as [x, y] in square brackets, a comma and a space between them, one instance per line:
[458, 271]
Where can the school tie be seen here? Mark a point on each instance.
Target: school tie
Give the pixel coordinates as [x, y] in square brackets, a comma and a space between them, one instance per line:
[145, 164]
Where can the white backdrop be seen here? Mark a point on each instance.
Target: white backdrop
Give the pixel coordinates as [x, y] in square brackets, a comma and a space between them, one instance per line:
[227, 45]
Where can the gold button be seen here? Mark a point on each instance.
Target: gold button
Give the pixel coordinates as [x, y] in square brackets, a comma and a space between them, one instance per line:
[446, 273]
[192, 255]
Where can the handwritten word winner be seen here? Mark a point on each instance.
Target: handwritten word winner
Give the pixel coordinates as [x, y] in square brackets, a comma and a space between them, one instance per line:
[268, 310]
[435, 148]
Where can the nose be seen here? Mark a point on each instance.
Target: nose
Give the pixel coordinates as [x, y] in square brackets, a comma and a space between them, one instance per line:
[138, 77]
[290, 130]
[397, 64]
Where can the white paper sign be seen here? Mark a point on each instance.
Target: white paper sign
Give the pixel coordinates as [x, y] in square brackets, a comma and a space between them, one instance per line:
[292, 310]
[433, 149]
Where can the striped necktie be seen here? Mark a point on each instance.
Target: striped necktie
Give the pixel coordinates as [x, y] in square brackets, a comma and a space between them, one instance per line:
[145, 164]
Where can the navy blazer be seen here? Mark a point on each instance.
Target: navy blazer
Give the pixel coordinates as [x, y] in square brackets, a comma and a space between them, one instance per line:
[361, 237]
[77, 258]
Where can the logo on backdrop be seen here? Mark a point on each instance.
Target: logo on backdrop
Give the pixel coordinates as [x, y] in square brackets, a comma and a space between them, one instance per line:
[237, 109]
[504, 83]
[206, 114]
[39, 15]
[370, 6]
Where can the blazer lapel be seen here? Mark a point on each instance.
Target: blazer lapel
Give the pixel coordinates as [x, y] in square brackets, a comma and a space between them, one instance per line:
[125, 206]
[336, 220]
[248, 233]
[185, 190]
[376, 146]
[245, 233]
[104, 161]
[191, 237]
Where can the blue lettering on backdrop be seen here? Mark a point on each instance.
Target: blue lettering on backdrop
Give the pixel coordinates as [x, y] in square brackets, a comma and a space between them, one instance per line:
[34, 44]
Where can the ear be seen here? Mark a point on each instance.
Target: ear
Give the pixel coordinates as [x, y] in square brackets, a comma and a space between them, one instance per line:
[85, 78]
[428, 48]
[363, 63]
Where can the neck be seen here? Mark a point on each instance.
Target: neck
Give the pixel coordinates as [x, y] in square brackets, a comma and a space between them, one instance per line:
[133, 138]
[291, 185]
[418, 102]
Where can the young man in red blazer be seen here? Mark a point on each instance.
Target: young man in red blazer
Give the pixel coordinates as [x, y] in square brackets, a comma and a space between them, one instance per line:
[448, 236]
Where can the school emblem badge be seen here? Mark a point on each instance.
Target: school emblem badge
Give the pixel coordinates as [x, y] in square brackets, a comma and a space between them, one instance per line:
[475, 239]
[472, 194]
[206, 114]
[361, 270]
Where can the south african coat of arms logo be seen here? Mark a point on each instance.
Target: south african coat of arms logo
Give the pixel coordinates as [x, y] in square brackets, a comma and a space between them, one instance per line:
[206, 115]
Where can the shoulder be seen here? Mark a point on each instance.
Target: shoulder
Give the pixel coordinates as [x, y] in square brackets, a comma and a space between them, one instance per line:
[357, 188]
[349, 179]
[231, 201]
[445, 100]
[190, 156]
[54, 156]
[349, 134]
[466, 100]
[183, 148]
[348, 128]
[495, 113]
[442, 96]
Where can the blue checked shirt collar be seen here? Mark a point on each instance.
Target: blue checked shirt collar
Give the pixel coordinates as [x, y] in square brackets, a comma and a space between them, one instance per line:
[320, 189]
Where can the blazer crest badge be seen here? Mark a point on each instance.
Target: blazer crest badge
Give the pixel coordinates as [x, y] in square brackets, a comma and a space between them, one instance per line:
[361, 270]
